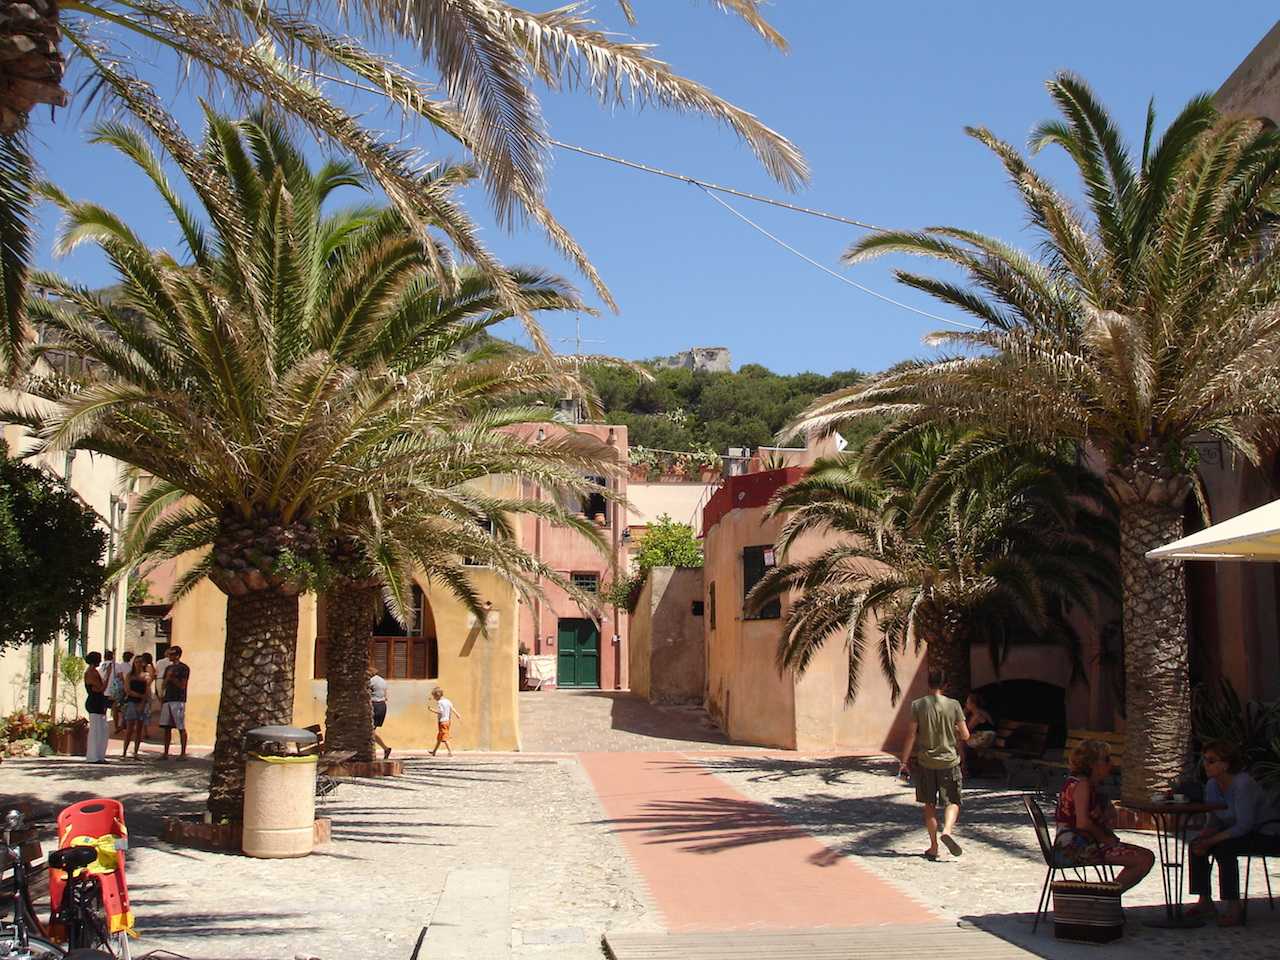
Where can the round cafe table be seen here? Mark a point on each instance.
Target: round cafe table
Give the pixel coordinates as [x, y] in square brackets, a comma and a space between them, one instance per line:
[1172, 820]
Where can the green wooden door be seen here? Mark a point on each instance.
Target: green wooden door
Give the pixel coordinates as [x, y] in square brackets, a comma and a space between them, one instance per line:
[578, 662]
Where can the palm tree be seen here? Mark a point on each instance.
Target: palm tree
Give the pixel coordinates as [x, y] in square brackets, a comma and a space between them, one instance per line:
[487, 54]
[260, 384]
[1149, 317]
[940, 540]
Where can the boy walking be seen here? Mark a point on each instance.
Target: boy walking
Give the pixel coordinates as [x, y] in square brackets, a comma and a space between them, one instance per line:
[445, 711]
[937, 722]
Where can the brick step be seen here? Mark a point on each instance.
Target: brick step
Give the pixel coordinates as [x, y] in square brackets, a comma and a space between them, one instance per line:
[366, 768]
[223, 836]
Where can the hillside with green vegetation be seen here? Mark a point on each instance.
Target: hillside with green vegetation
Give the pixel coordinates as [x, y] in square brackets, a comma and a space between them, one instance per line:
[688, 410]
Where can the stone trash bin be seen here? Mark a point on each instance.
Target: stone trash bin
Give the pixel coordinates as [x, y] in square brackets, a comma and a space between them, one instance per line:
[279, 793]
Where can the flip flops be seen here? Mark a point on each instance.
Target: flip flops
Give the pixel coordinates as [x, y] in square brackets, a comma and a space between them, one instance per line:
[950, 843]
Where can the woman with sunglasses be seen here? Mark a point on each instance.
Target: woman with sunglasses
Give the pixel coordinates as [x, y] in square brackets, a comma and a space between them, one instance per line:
[1249, 824]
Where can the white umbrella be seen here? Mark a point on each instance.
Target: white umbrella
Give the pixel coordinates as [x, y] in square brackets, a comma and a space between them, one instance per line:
[1251, 536]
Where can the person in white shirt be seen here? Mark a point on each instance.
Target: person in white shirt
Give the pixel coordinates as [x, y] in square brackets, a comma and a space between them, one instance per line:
[446, 711]
[378, 697]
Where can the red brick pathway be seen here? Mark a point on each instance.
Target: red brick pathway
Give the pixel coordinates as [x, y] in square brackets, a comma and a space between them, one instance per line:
[712, 859]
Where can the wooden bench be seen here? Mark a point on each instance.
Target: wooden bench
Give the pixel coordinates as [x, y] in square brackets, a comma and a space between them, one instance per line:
[1074, 738]
[1018, 744]
[326, 762]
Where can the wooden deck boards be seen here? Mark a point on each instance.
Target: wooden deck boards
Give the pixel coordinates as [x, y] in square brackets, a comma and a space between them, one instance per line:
[936, 941]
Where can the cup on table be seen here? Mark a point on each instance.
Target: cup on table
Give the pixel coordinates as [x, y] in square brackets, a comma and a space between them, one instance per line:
[1179, 798]
[1159, 797]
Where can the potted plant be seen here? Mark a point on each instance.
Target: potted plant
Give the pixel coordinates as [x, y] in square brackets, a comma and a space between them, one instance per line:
[641, 462]
[69, 737]
[69, 734]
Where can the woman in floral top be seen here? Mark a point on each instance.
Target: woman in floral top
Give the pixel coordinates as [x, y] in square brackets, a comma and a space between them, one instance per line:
[1084, 816]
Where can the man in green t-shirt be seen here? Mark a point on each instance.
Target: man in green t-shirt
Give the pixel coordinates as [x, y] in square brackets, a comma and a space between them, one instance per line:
[937, 723]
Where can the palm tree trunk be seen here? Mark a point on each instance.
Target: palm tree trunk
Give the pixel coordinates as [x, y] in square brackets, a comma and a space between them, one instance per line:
[257, 687]
[947, 649]
[1157, 687]
[348, 717]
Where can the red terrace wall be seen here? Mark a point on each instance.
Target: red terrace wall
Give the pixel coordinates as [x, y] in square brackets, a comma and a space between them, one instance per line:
[747, 490]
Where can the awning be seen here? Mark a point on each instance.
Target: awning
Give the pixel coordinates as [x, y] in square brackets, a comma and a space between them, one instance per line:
[1250, 536]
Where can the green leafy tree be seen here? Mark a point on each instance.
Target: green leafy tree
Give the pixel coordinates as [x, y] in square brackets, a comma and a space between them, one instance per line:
[668, 543]
[51, 549]
[940, 541]
[1149, 315]
[685, 410]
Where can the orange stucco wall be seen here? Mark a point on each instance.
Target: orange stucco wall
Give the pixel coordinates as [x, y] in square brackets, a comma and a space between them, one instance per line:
[746, 693]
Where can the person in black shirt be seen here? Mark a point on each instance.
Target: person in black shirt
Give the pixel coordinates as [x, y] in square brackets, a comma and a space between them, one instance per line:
[173, 708]
[95, 704]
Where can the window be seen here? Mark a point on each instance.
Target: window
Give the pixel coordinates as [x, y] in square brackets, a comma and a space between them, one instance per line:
[487, 527]
[389, 626]
[399, 653]
[711, 603]
[756, 561]
[587, 582]
[410, 658]
[595, 506]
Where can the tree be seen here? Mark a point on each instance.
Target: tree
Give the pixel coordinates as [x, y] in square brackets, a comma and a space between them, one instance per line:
[51, 549]
[261, 384]
[938, 540]
[1149, 317]
[488, 56]
[668, 543]
[382, 539]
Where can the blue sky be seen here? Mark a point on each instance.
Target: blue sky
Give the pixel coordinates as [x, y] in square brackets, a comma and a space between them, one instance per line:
[877, 95]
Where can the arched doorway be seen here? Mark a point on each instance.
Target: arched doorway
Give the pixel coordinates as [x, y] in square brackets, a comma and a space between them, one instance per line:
[407, 652]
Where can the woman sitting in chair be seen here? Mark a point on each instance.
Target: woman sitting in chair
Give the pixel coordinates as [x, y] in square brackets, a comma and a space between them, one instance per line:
[1249, 825]
[1084, 816]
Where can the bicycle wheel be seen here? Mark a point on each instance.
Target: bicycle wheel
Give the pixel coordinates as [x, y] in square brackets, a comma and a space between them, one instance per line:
[90, 927]
[37, 948]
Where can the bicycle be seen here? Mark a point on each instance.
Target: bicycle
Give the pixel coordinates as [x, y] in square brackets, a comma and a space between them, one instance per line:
[80, 912]
[22, 936]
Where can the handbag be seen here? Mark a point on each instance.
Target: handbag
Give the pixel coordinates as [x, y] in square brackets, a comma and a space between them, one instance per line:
[115, 687]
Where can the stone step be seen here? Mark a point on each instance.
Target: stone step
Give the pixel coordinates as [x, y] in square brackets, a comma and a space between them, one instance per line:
[472, 918]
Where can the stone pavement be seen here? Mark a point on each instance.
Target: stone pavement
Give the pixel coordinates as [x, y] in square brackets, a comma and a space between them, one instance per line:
[595, 826]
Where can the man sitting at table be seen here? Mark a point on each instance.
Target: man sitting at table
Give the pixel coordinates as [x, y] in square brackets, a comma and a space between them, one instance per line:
[1249, 825]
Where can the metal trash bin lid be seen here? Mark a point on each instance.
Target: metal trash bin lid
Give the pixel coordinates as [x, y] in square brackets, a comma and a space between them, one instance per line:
[280, 735]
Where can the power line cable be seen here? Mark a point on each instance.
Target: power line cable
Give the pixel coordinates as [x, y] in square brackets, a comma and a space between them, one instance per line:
[828, 270]
[712, 186]
[707, 188]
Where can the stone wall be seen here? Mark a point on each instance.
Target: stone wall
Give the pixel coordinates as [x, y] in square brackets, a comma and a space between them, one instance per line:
[668, 646]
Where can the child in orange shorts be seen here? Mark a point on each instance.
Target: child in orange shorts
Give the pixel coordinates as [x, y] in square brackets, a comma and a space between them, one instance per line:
[446, 711]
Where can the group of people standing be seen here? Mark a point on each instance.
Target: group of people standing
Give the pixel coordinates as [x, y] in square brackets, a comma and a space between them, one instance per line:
[1248, 824]
[125, 692]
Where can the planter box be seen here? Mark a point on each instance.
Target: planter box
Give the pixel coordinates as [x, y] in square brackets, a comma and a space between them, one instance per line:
[224, 836]
[73, 743]
[371, 768]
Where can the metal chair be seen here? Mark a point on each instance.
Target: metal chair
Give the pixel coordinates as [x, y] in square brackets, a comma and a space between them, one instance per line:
[1248, 865]
[1248, 871]
[1104, 871]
